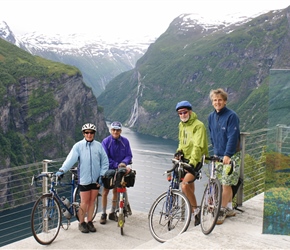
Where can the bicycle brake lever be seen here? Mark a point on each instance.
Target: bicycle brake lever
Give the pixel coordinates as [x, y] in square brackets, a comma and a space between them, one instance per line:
[32, 180]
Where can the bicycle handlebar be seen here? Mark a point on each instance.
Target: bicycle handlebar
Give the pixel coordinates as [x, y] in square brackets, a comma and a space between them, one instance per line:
[211, 158]
[43, 174]
[177, 163]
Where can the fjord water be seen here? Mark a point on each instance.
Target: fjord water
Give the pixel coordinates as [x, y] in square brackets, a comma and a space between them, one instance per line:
[151, 158]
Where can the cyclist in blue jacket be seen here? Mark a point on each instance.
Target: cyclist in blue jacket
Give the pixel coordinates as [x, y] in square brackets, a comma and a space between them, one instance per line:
[119, 153]
[93, 163]
[224, 132]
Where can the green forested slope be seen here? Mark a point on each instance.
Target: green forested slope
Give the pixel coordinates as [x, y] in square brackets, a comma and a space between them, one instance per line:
[187, 65]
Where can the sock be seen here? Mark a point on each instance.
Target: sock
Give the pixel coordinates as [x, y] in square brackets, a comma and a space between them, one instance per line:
[230, 205]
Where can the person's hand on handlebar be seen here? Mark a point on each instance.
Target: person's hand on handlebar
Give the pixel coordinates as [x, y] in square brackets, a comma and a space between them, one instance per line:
[178, 155]
[59, 173]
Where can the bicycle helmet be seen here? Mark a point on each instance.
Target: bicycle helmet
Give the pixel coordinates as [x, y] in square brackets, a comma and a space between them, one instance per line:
[183, 104]
[89, 126]
[116, 125]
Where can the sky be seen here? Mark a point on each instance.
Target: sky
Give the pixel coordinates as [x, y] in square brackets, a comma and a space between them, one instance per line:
[118, 18]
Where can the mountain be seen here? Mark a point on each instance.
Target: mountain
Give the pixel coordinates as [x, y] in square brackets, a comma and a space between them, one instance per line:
[43, 105]
[98, 60]
[192, 57]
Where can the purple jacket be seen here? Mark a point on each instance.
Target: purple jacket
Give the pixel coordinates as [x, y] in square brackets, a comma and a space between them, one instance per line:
[118, 150]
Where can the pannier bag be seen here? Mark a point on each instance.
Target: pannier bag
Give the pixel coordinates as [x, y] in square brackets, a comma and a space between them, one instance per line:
[130, 178]
[109, 179]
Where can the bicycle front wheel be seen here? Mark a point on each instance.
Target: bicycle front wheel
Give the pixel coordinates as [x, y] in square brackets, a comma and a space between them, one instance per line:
[77, 201]
[169, 215]
[210, 206]
[45, 219]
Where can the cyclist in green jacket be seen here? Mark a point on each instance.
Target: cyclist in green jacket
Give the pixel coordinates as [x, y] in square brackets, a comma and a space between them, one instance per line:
[192, 145]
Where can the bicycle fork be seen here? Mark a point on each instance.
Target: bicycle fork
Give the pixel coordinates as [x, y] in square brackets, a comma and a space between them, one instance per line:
[122, 200]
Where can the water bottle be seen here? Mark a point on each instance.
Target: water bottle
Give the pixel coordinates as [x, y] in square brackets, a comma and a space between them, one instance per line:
[66, 213]
[65, 201]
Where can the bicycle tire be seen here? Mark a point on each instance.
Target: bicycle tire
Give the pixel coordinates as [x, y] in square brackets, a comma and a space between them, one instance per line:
[169, 215]
[210, 206]
[77, 199]
[46, 219]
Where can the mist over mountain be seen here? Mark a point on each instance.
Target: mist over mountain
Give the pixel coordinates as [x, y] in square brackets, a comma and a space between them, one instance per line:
[99, 60]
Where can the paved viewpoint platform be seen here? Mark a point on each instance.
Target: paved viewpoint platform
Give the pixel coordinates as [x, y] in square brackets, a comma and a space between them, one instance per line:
[244, 231]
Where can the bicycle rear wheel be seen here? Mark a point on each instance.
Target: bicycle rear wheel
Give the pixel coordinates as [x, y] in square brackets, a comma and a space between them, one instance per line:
[45, 219]
[169, 215]
[77, 200]
[210, 206]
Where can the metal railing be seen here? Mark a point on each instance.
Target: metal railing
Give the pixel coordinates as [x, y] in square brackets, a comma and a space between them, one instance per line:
[17, 195]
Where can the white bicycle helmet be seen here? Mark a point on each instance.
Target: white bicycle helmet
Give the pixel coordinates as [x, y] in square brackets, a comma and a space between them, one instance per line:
[89, 126]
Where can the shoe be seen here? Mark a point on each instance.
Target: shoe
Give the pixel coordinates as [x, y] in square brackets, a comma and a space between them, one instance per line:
[222, 216]
[230, 212]
[103, 219]
[197, 219]
[83, 227]
[113, 216]
[91, 227]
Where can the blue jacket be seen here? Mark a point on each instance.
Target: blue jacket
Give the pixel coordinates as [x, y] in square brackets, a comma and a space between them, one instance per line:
[118, 150]
[93, 161]
[224, 132]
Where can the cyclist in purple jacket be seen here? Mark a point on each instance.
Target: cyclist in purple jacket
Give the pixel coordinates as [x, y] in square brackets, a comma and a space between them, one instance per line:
[119, 153]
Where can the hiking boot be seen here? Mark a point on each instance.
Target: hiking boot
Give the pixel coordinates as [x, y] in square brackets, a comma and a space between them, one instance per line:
[113, 216]
[222, 216]
[83, 227]
[197, 219]
[91, 227]
[103, 219]
[230, 212]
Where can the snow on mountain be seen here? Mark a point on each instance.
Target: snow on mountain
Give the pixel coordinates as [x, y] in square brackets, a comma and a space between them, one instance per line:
[81, 43]
[101, 59]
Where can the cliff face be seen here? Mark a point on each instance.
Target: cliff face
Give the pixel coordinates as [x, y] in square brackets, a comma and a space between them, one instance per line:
[45, 119]
[49, 115]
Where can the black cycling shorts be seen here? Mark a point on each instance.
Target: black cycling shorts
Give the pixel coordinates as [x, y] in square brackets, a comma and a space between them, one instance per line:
[89, 187]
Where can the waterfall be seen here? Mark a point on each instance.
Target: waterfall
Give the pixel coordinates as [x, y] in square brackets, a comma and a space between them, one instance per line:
[134, 113]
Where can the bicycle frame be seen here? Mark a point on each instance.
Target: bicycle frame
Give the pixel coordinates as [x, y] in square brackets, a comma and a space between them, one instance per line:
[170, 214]
[53, 191]
[211, 200]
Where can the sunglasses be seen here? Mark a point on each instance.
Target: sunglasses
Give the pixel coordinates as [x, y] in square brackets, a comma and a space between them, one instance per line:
[117, 130]
[182, 113]
[89, 133]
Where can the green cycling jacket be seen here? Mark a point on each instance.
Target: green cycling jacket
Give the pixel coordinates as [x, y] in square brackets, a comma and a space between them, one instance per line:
[193, 139]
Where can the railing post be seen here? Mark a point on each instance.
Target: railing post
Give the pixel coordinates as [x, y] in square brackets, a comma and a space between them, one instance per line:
[279, 137]
[243, 152]
[45, 181]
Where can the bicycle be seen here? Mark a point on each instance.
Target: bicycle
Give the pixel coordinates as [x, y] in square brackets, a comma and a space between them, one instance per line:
[47, 215]
[170, 214]
[212, 197]
[124, 209]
